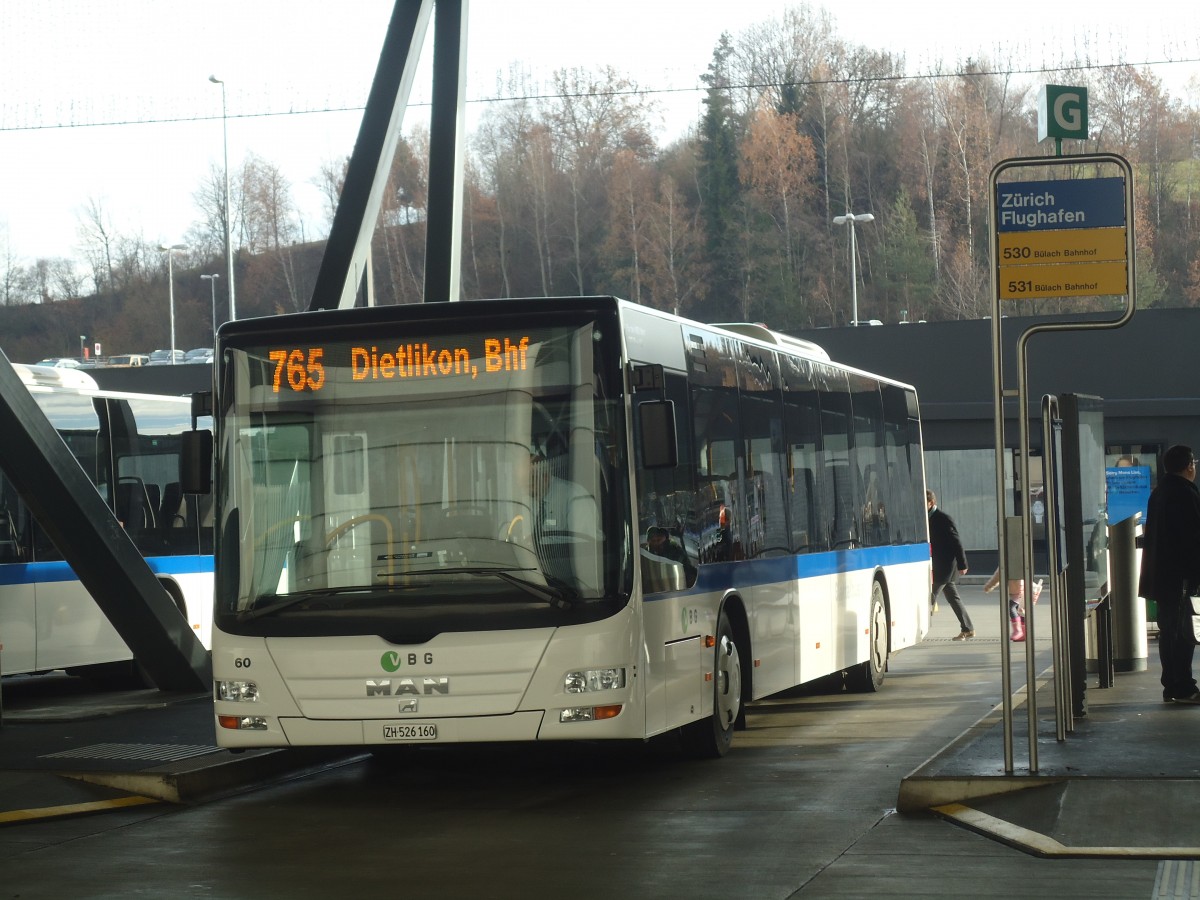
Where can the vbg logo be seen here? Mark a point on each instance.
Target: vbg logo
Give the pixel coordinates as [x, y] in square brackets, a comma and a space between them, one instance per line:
[390, 661]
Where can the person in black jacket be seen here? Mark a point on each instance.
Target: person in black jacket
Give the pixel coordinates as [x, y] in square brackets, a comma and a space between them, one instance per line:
[1171, 569]
[949, 561]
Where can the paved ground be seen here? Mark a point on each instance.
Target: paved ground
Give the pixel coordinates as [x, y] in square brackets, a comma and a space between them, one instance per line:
[1103, 794]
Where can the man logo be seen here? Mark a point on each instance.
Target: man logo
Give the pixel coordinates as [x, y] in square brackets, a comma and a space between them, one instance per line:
[390, 661]
[428, 687]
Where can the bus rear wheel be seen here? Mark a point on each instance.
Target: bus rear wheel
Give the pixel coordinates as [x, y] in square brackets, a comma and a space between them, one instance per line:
[867, 677]
[711, 737]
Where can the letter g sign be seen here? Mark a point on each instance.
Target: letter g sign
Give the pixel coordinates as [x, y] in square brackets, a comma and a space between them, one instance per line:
[1062, 112]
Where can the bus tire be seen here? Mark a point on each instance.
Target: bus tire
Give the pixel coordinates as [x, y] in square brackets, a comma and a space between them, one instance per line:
[711, 737]
[867, 677]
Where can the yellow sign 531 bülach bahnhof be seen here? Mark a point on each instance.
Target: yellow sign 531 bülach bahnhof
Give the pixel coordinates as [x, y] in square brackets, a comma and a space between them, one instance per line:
[1068, 263]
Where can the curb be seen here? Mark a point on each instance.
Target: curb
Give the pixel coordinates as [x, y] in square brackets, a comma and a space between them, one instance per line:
[218, 773]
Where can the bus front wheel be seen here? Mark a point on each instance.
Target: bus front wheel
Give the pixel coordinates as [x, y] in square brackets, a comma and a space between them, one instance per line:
[867, 677]
[711, 737]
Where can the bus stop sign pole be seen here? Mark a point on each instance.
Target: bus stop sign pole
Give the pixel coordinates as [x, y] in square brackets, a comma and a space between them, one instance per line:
[1050, 238]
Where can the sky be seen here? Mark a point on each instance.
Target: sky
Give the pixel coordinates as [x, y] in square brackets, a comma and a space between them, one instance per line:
[109, 101]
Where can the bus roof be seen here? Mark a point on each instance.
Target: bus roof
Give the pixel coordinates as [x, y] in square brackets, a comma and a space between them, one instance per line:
[765, 334]
[54, 377]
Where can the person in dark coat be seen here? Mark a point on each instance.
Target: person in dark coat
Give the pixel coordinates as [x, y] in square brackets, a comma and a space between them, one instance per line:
[949, 561]
[1171, 569]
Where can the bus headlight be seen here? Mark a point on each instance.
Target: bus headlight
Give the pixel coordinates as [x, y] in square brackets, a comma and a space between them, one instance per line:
[243, 723]
[237, 691]
[587, 680]
[589, 713]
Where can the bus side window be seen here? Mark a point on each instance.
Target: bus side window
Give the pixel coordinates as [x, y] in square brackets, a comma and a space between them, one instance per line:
[43, 548]
[874, 512]
[843, 535]
[10, 543]
[667, 496]
[802, 510]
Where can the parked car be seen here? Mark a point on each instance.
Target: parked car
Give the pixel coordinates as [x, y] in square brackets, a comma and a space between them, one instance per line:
[199, 355]
[128, 359]
[163, 358]
[60, 362]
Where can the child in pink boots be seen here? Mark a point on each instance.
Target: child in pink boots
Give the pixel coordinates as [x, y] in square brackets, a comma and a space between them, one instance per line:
[1016, 601]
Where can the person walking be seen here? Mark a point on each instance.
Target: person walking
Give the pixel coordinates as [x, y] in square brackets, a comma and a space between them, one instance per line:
[949, 561]
[1016, 601]
[1171, 569]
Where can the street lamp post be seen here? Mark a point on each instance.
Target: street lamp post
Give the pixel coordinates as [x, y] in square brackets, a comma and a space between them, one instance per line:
[228, 210]
[212, 280]
[82, 347]
[170, 251]
[850, 219]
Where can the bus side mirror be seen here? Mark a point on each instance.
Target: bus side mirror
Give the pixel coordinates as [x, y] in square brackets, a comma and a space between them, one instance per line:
[656, 421]
[195, 462]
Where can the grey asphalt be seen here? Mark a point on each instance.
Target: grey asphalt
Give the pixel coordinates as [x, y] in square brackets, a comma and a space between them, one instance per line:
[1118, 786]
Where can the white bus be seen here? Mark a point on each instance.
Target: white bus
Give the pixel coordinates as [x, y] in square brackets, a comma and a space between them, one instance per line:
[552, 519]
[129, 446]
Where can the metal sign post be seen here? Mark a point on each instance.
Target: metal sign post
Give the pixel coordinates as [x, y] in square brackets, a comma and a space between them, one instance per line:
[1049, 238]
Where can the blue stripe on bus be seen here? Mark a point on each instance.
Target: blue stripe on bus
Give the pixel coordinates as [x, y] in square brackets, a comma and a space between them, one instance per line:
[48, 572]
[776, 569]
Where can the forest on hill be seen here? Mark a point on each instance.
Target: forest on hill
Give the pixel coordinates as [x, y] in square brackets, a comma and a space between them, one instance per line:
[568, 192]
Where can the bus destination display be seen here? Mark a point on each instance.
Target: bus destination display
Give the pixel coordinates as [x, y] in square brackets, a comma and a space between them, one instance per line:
[304, 369]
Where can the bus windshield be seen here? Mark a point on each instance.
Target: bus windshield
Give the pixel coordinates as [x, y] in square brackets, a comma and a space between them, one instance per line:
[442, 479]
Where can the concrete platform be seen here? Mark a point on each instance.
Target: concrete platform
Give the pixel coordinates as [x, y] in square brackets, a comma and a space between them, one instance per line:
[70, 749]
[1124, 783]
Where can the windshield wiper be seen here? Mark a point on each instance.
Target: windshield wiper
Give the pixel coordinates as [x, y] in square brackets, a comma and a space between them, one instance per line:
[555, 590]
[293, 599]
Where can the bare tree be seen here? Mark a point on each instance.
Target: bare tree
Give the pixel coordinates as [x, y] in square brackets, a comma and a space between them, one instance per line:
[675, 272]
[402, 225]
[592, 118]
[330, 179]
[206, 236]
[517, 168]
[63, 279]
[270, 222]
[631, 183]
[779, 167]
[962, 291]
[96, 236]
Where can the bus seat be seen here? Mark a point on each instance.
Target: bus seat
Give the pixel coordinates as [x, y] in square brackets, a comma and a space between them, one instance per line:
[172, 513]
[205, 509]
[153, 502]
[458, 520]
[133, 506]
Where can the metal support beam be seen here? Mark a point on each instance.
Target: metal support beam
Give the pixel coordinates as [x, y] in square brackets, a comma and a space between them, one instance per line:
[83, 528]
[347, 251]
[443, 215]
